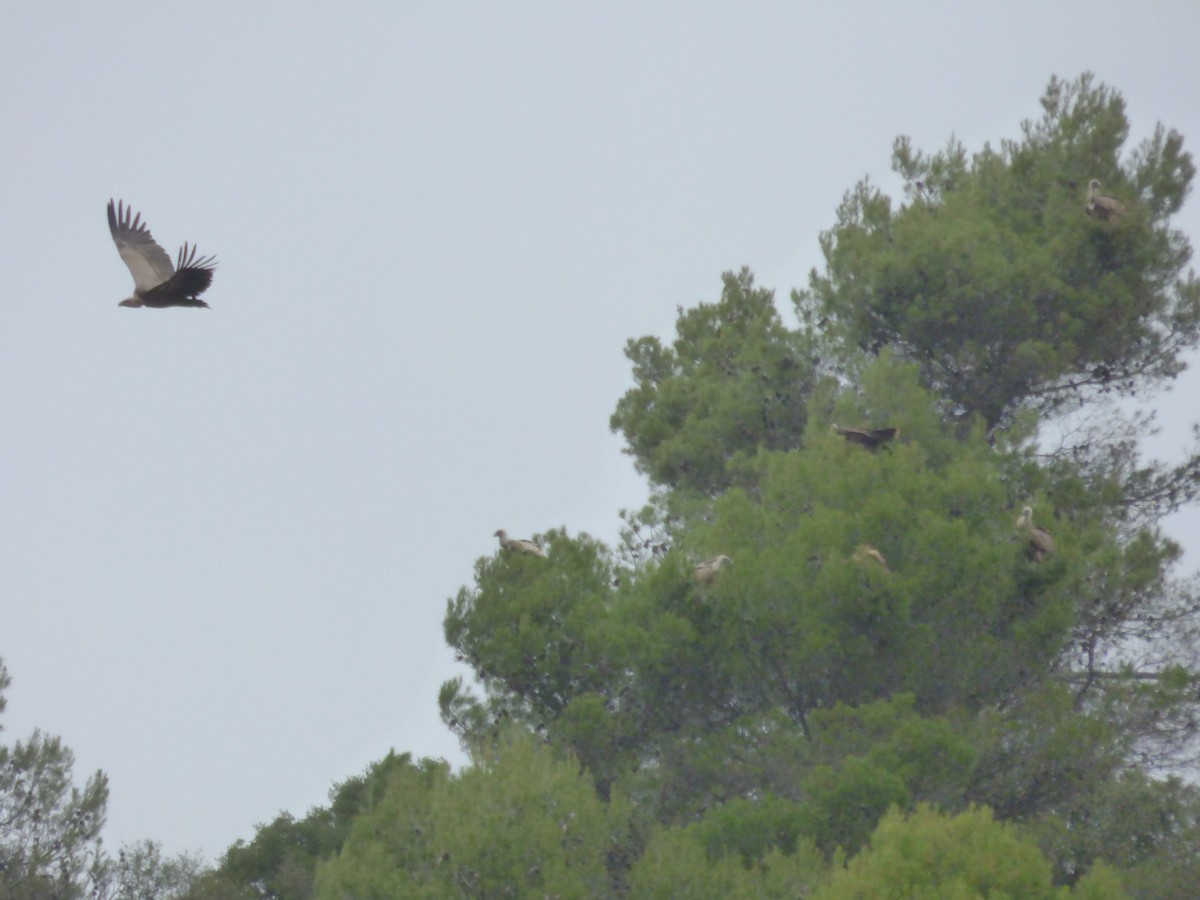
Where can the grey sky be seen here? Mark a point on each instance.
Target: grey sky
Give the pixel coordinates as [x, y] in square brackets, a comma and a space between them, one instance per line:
[227, 536]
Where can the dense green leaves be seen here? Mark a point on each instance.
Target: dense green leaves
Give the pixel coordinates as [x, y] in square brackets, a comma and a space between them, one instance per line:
[735, 853]
[798, 623]
[520, 822]
[281, 861]
[1149, 829]
[962, 857]
[734, 380]
[995, 280]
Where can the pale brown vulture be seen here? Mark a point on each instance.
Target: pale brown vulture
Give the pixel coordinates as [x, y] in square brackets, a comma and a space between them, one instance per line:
[706, 571]
[157, 283]
[871, 438]
[1101, 205]
[864, 553]
[1040, 543]
[515, 545]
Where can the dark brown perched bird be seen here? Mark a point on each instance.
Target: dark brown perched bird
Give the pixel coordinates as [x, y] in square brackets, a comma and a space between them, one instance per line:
[871, 438]
[1101, 205]
[706, 571]
[1040, 543]
[519, 546]
[157, 283]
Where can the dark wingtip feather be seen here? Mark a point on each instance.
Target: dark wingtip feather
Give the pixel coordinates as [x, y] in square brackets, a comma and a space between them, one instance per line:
[123, 219]
[187, 259]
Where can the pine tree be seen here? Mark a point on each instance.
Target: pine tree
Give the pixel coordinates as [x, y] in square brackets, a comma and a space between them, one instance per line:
[884, 635]
[49, 828]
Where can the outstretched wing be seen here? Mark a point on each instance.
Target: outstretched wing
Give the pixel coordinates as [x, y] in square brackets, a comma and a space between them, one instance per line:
[867, 437]
[148, 263]
[191, 279]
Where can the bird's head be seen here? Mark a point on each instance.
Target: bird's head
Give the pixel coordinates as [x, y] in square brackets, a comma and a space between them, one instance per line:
[132, 302]
[500, 533]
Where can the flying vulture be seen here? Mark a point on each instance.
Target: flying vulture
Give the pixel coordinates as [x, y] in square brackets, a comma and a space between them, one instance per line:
[157, 283]
[706, 571]
[1040, 543]
[519, 546]
[871, 438]
[1101, 205]
[866, 553]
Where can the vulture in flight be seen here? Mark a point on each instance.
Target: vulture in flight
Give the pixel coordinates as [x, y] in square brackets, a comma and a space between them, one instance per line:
[866, 553]
[871, 438]
[1101, 205]
[1040, 543]
[157, 283]
[706, 571]
[519, 546]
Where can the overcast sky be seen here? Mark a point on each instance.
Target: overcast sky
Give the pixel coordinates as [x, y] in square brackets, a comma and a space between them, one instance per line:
[227, 536]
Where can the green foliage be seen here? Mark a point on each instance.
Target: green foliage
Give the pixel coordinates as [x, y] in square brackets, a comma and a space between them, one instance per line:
[529, 618]
[997, 282]
[734, 380]
[700, 861]
[280, 862]
[960, 857]
[1043, 755]
[1148, 829]
[844, 631]
[49, 828]
[929, 754]
[388, 852]
[844, 804]
[519, 822]
[725, 686]
[750, 829]
[141, 872]
[868, 758]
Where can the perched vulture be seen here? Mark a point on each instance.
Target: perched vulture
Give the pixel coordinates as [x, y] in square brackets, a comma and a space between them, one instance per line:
[1101, 205]
[706, 571]
[518, 546]
[1040, 543]
[157, 283]
[866, 553]
[871, 438]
